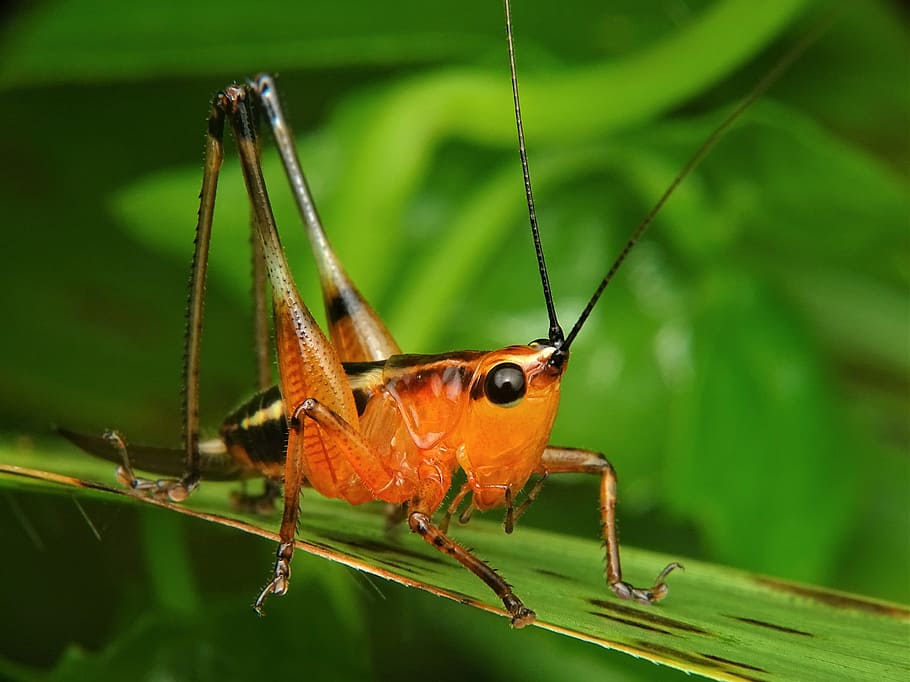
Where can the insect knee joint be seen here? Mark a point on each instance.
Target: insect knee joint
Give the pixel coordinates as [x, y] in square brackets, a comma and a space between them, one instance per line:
[419, 523]
[263, 83]
[603, 465]
[307, 407]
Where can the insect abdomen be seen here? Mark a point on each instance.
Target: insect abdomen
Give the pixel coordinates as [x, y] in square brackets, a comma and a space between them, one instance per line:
[258, 429]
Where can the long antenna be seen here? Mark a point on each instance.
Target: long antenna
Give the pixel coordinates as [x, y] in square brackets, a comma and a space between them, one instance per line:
[760, 88]
[556, 333]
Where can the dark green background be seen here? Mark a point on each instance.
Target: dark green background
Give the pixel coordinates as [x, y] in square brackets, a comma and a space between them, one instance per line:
[747, 373]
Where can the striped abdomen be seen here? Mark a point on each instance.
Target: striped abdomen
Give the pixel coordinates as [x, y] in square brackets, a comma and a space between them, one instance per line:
[256, 433]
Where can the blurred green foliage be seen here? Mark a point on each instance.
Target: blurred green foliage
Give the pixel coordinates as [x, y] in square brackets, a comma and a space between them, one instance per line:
[747, 373]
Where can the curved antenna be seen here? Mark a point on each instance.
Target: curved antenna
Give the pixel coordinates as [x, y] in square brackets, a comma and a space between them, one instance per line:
[779, 68]
[556, 333]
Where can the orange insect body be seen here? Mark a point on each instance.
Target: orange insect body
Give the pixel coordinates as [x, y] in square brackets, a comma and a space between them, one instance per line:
[427, 415]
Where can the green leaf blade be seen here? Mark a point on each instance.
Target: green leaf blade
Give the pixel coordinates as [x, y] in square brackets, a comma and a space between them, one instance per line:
[718, 622]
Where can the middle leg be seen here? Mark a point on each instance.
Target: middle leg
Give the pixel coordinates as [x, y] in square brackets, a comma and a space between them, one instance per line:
[569, 460]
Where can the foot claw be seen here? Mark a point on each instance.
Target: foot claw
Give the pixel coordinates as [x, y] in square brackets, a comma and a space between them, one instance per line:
[654, 594]
[524, 616]
[177, 491]
[278, 585]
[521, 614]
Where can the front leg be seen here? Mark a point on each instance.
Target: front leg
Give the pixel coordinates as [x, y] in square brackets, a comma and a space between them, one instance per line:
[431, 490]
[569, 460]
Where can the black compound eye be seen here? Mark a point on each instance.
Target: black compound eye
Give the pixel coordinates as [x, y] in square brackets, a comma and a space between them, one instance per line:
[505, 384]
